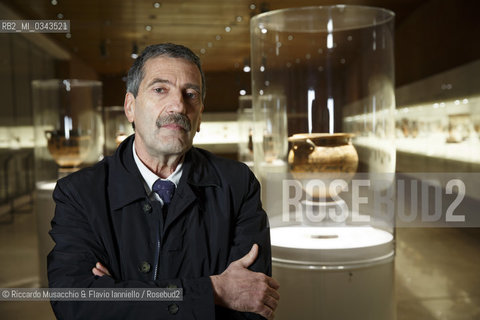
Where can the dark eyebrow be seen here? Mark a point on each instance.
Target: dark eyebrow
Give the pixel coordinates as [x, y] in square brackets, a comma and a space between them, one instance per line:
[158, 80]
[188, 85]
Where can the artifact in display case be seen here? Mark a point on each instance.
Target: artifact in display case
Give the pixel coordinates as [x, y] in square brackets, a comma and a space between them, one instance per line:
[458, 127]
[67, 122]
[323, 100]
[68, 149]
[322, 152]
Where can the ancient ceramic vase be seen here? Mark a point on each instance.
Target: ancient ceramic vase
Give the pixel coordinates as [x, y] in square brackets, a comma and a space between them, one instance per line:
[68, 152]
[324, 156]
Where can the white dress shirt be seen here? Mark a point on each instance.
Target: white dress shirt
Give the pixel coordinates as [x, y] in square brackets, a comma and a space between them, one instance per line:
[149, 177]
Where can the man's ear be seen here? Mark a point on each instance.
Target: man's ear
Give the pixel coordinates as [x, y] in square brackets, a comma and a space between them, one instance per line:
[129, 107]
[200, 118]
[198, 127]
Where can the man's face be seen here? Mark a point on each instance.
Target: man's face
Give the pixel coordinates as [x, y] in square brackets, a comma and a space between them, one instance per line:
[167, 109]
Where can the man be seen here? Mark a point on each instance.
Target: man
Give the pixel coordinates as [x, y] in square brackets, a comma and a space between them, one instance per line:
[211, 238]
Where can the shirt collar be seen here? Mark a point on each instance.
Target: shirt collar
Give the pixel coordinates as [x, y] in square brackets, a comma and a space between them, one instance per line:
[149, 177]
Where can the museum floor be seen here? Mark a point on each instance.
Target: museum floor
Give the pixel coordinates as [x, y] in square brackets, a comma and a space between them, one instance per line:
[436, 270]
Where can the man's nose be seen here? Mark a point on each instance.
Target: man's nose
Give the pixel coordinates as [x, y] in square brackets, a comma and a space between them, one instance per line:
[176, 103]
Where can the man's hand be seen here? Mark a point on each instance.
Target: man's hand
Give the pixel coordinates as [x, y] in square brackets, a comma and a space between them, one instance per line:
[243, 290]
[100, 270]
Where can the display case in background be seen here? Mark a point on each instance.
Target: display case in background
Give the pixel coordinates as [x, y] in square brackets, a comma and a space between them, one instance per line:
[438, 122]
[245, 130]
[117, 128]
[219, 134]
[68, 126]
[68, 134]
[314, 69]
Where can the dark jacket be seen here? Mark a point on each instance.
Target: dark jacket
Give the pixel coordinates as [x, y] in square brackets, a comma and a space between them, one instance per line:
[103, 214]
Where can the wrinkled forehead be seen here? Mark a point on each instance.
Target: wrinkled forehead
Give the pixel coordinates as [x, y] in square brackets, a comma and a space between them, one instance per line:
[169, 68]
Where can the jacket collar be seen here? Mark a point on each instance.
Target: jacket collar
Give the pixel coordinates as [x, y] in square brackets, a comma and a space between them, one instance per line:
[198, 173]
[126, 185]
[198, 169]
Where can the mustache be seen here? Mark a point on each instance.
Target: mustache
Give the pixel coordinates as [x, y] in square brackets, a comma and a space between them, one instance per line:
[175, 118]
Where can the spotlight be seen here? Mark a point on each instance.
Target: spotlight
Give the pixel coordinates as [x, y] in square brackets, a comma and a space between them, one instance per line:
[246, 66]
[134, 54]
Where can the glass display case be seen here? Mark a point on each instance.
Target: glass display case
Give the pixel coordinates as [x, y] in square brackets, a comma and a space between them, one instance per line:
[68, 134]
[117, 128]
[441, 130]
[245, 130]
[67, 124]
[437, 122]
[314, 71]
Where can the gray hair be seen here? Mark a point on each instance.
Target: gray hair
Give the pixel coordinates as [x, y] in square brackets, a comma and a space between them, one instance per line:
[136, 72]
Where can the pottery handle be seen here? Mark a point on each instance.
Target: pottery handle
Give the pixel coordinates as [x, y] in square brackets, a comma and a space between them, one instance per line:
[310, 142]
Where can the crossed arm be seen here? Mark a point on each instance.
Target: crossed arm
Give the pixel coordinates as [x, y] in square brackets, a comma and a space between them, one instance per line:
[237, 287]
[80, 244]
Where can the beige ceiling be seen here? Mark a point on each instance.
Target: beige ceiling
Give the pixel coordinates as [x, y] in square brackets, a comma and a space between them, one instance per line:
[104, 32]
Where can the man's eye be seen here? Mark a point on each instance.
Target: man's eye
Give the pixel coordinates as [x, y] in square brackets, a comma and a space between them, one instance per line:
[160, 90]
[191, 95]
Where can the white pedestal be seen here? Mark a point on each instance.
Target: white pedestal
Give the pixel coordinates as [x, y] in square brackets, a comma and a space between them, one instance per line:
[334, 273]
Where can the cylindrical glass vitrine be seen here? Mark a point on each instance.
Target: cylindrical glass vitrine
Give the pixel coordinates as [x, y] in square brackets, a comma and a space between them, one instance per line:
[68, 125]
[323, 100]
[68, 135]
